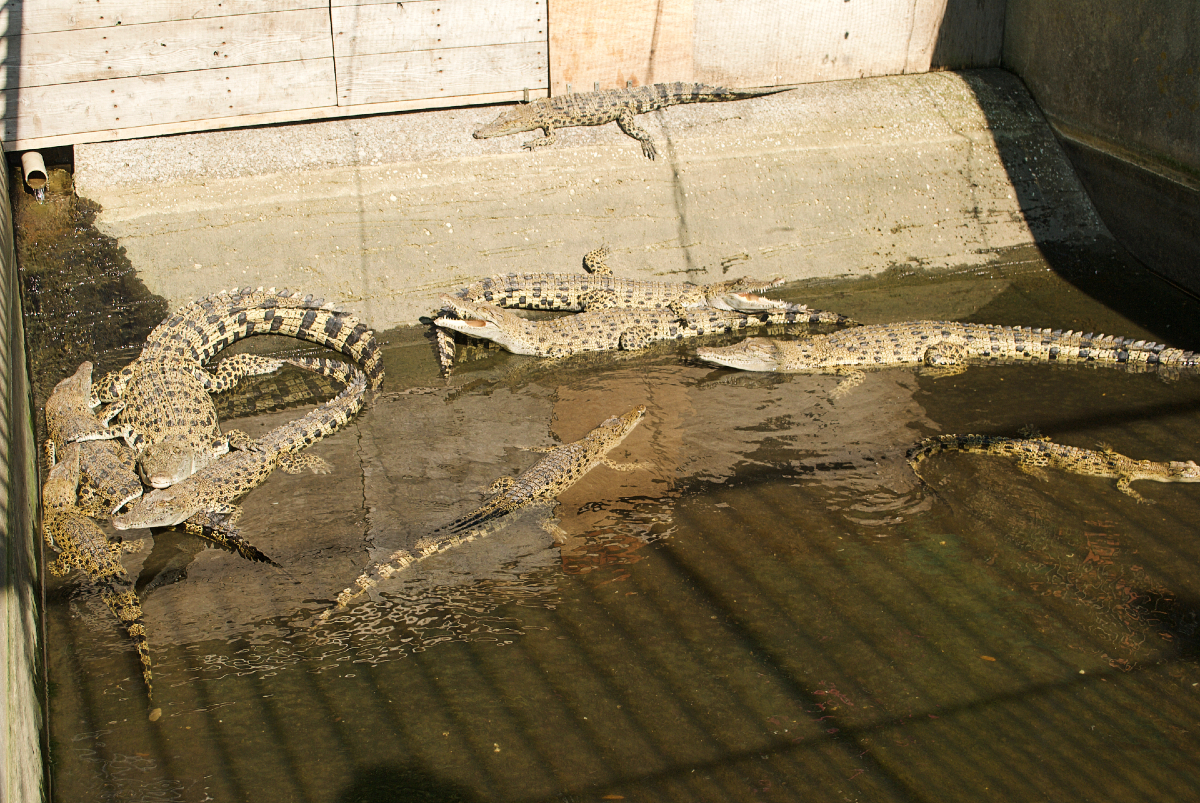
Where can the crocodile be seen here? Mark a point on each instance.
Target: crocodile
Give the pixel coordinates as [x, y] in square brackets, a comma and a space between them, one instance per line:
[164, 395]
[108, 476]
[537, 486]
[608, 106]
[205, 500]
[82, 545]
[946, 348]
[609, 329]
[1036, 453]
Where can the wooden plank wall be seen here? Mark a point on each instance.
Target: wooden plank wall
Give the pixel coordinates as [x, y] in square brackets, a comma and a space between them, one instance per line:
[764, 42]
[89, 70]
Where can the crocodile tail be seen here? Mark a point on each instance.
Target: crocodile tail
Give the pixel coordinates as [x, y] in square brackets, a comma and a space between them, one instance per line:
[123, 602]
[679, 92]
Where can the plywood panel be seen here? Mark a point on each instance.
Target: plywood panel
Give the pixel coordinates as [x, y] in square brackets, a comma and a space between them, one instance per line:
[436, 73]
[431, 24]
[167, 47]
[766, 42]
[45, 16]
[176, 97]
[612, 42]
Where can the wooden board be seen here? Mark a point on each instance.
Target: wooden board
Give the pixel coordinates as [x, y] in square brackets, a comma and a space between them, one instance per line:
[266, 118]
[167, 47]
[440, 73]
[431, 24]
[45, 16]
[175, 97]
[615, 42]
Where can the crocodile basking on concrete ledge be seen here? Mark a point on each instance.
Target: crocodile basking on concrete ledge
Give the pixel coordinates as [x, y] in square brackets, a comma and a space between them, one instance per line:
[163, 395]
[205, 499]
[610, 329]
[608, 106]
[538, 485]
[945, 347]
[1035, 453]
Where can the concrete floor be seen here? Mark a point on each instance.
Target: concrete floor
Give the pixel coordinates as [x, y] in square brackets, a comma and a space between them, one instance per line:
[836, 179]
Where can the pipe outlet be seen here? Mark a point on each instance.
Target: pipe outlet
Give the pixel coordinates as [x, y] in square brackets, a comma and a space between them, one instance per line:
[35, 173]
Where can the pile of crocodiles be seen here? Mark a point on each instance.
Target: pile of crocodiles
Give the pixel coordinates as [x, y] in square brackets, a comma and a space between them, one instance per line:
[155, 454]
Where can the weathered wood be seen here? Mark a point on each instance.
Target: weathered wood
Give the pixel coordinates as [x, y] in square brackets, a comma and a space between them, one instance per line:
[267, 118]
[440, 73]
[168, 47]
[768, 42]
[46, 16]
[614, 42]
[171, 98]
[431, 24]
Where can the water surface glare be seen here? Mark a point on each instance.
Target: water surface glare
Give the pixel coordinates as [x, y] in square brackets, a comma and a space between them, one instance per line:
[774, 608]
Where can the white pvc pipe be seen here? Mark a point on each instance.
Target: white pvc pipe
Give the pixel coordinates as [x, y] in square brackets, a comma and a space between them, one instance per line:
[35, 172]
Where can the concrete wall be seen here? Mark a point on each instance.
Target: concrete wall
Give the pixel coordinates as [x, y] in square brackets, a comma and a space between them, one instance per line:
[1120, 83]
[20, 747]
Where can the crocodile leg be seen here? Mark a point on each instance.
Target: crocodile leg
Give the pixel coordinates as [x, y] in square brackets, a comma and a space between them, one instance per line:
[627, 124]
[541, 142]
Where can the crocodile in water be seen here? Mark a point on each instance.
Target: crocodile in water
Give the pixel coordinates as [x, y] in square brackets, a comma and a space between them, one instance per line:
[164, 393]
[608, 106]
[610, 329]
[946, 347]
[108, 476]
[1034, 454]
[205, 500]
[537, 486]
[82, 545]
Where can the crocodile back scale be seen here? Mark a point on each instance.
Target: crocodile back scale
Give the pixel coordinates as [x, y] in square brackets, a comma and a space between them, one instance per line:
[940, 343]
[608, 106]
[1034, 454]
[538, 485]
[610, 329]
[205, 499]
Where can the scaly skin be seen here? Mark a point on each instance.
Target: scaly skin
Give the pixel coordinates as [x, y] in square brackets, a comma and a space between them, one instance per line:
[609, 329]
[205, 499]
[81, 545]
[608, 106]
[164, 394]
[108, 478]
[1034, 454]
[947, 347]
[539, 485]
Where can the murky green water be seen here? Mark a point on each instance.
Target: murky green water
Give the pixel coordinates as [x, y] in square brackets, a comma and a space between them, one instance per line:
[774, 609]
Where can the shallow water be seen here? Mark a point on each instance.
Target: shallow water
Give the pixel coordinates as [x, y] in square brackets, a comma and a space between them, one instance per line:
[773, 608]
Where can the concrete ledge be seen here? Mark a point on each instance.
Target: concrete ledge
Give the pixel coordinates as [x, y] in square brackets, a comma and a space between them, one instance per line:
[20, 737]
[841, 178]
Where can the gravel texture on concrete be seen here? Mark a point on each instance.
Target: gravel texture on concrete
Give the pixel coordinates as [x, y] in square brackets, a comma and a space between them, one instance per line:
[837, 179]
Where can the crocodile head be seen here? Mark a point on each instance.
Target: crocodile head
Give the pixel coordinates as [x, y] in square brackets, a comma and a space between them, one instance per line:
[164, 464]
[619, 426]
[164, 507]
[511, 121]
[489, 323]
[745, 302]
[752, 354]
[69, 404]
[1183, 471]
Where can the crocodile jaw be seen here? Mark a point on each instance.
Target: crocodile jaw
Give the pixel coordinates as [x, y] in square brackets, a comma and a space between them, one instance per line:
[161, 508]
[753, 354]
[164, 464]
[509, 122]
[745, 302]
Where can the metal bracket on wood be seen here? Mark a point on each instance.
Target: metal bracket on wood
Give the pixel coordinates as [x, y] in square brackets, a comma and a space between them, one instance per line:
[596, 87]
[628, 84]
[526, 94]
[568, 89]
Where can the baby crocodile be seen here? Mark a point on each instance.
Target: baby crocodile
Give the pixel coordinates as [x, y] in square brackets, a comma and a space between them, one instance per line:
[948, 347]
[609, 329]
[108, 477]
[164, 394]
[607, 106]
[81, 545]
[1034, 454]
[537, 486]
[205, 499]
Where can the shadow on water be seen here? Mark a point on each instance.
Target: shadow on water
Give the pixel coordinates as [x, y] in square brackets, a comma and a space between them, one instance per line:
[388, 783]
[80, 293]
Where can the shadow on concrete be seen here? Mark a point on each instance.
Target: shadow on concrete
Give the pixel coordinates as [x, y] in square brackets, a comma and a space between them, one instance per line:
[386, 783]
